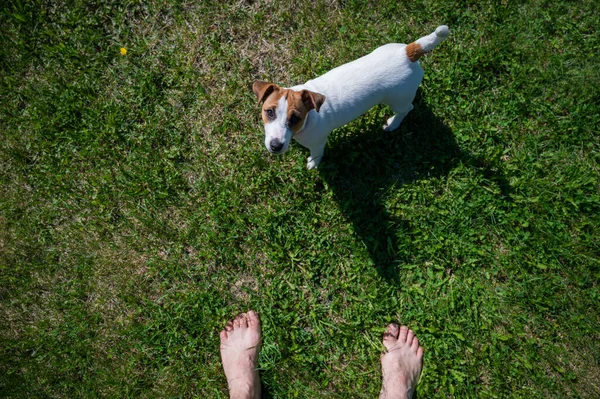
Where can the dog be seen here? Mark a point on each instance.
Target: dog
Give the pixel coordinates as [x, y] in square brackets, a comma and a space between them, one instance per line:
[308, 113]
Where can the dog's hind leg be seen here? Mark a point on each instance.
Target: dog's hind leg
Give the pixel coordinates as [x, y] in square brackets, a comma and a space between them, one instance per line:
[393, 123]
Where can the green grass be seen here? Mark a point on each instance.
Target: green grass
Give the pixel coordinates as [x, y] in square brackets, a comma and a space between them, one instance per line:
[139, 209]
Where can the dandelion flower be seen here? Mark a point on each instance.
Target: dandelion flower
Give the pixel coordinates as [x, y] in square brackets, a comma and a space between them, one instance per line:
[123, 51]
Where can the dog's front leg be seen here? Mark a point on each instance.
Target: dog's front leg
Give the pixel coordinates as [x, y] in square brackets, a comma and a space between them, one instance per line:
[316, 154]
[400, 112]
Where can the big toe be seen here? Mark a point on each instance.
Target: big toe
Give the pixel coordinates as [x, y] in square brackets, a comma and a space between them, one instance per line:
[390, 337]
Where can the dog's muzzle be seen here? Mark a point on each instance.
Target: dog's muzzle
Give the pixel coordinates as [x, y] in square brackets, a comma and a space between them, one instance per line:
[275, 146]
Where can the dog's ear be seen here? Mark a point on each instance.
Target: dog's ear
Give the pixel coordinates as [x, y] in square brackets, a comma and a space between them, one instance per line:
[263, 90]
[312, 100]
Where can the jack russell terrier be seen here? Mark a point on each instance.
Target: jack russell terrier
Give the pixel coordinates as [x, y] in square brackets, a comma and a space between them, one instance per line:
[308, 113]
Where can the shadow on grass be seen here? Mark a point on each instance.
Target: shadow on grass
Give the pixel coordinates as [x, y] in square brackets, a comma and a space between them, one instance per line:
[362, 168]
[265, 393]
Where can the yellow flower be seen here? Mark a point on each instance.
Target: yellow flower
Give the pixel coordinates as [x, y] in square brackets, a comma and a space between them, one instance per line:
[123, 51]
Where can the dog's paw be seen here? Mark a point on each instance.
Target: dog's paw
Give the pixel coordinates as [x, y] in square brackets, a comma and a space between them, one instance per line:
[313, 163]
[392, 124]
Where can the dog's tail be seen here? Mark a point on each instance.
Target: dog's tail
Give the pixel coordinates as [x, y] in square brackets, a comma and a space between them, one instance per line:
[427, 43]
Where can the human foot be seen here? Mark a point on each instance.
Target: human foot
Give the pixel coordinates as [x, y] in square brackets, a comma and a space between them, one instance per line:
[401, 364]
[240, 345]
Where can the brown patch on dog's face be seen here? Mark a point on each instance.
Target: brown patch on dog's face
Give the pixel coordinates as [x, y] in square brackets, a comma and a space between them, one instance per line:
[299, 104]
[269, 108]
[297, 111]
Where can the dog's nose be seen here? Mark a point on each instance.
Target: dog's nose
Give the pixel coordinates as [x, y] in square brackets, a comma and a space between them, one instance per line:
[276, 145]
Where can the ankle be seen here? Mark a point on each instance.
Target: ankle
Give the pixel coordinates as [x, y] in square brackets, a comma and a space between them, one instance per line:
[396, 387]
[243, 390]
[395, 394]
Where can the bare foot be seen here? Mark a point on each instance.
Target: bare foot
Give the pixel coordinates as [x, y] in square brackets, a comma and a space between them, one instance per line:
[401, 364]
[240, 345]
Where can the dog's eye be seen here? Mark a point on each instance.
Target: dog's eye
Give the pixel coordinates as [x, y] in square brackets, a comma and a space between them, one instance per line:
[294, 119]
[270, 113]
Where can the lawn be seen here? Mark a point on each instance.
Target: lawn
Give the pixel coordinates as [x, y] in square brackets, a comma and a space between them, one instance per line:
[139, 209]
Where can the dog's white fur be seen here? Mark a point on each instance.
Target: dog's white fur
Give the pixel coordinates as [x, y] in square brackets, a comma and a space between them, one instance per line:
[385, 76]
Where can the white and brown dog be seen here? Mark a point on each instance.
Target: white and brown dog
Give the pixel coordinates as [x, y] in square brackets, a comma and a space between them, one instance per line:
[308, 113]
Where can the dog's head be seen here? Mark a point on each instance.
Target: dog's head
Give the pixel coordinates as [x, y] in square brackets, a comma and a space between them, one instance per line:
[284, 113]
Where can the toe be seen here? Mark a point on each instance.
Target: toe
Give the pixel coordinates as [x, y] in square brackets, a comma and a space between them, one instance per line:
[415, 344]
[237, 321]
[244, 320]
[409, 337]
[240, 321]
[393, 330]
[229, 325]
[403, 334]
[390, 337]
[420, 353]
[223, 335]
[253, 319]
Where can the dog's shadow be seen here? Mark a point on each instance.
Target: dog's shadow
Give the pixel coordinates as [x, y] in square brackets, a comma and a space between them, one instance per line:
[361, 169]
